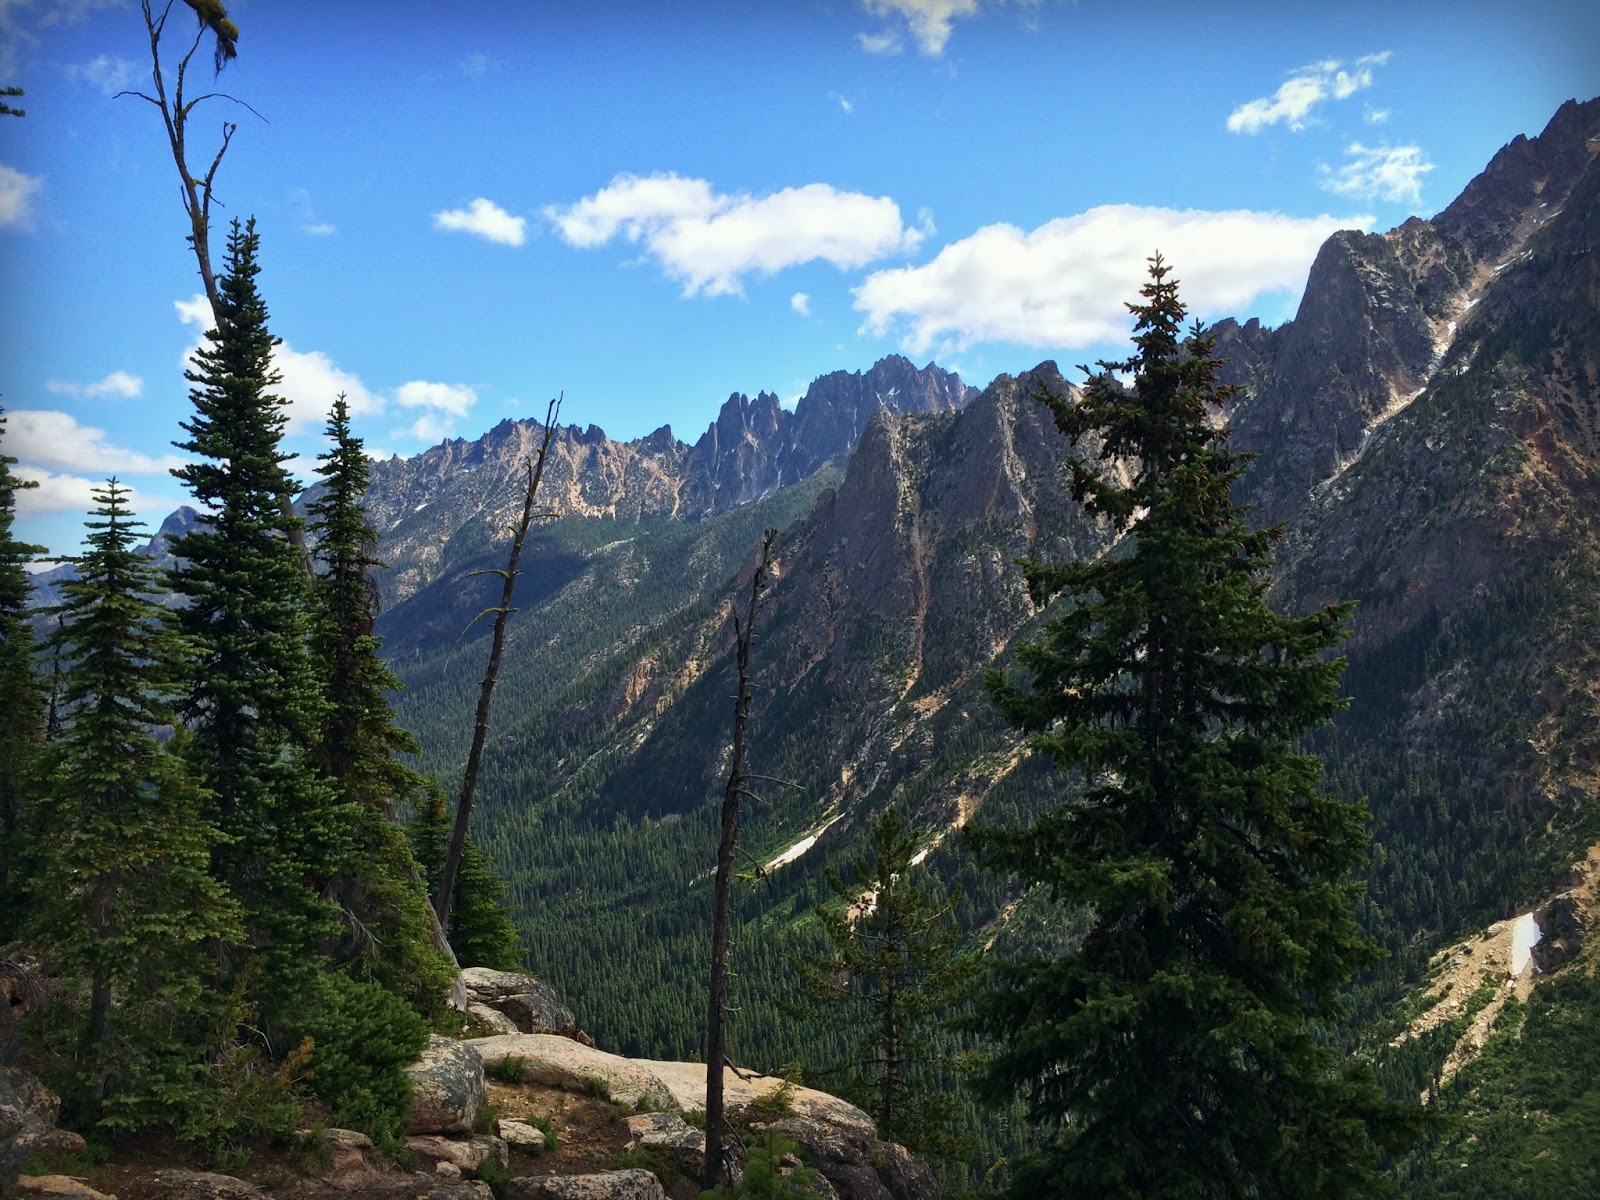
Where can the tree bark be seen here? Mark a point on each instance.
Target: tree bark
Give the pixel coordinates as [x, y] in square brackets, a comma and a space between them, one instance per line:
[716, 1016]
[480, 727]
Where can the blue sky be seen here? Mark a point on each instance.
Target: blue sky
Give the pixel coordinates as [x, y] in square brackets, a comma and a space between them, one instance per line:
[465, 210]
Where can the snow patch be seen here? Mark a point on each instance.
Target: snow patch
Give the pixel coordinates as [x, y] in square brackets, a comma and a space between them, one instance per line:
[1524, 937]
[795, 851]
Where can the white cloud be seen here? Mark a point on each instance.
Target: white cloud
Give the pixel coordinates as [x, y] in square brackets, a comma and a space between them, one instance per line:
[709, 242]
[1303, 91]
[1375, 116]
[485, 219]
[16, 197]
[48, 438]
[1063, 285]
[310, 379]
[844, 105]
[1381, 172]
[476, 64]
[930, 23]
[118, 383]
[429, 427]
[108, 72]
[59, 493]
[453, 398]
[319, 229]
[801, 303]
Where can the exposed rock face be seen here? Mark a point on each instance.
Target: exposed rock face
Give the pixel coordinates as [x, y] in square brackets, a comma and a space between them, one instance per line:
[603, 1185]
[62, 1186]
[529, 1004]
[464, 1155]
[419, 504]
[564, 1063]
[670, 1132]
[447, 1088]
[1562, 929]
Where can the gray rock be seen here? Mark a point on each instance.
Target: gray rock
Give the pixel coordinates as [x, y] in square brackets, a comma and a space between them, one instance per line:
[457, 1189]
[670, 1132]
[530, 1004]
[859, 1167]
[604, 1185]
[60, 1186]
[447, 1088]
[174, 1184]
[521, 1134]
[492, 1018]
[464, 1155]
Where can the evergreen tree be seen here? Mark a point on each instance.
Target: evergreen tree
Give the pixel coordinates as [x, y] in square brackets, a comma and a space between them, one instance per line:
[893, 974]
[383, 890]
[125, 897]
[481, 932]
[21, 699]
[1173, 1054]
[256, 705]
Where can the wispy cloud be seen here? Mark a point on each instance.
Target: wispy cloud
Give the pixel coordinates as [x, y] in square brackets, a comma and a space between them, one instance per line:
[1061, 286]
[477, 64]
[929, 23]
[47, 438]
[16, 198]
[310, 224]
[59, 492]
[118, 383]
[308, 379]
[486, 219]
[1300, 94]
[1377, 173]
[845, 106]
[709, 241]
[801, 303]
[108, 72]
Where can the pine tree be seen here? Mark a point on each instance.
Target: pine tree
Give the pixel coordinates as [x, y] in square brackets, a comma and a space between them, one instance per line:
[256, 705]
[21, 699]
[1173, 1054]
[893, 974]
[481, 931]
[125, 900]
[383, 890]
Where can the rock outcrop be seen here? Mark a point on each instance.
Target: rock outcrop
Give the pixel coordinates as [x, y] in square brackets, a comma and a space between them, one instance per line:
[603, 1185]
[564, 1063]
[447, 1088]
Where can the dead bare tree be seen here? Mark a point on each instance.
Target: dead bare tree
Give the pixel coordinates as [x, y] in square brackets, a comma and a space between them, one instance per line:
[502, 613]
[197, 192]
[738, 778]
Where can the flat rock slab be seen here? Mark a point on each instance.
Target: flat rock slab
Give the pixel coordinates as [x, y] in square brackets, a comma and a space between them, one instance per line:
[670, 1132]
[687, 1083]
[192, 1185]
[604, 1185]
[462, 1154]
[58, 1186]
[521, 1134]
[447, 1088]
[561, 1062]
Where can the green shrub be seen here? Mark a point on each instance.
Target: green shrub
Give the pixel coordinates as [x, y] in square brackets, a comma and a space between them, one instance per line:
[764, 1176]
[511, 1069]
[362, 1039]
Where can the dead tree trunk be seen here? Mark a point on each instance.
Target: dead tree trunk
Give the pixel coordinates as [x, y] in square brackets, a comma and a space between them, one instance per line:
[197, 194]
[480, 727]
[717, 1009]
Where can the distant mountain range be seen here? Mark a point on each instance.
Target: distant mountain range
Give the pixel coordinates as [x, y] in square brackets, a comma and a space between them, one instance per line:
[1428, 426]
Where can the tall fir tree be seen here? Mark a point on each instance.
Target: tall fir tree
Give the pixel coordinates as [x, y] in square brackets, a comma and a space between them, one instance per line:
[894, 973]
[256, 705]
[1173, 1054]
[481, 931]
[21, 701]
[126, 901]
[383, 889]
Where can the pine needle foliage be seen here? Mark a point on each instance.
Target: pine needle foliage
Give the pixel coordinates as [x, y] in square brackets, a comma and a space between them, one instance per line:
[21, 700]
[893, 974]
[1174, 1053]
[125, 897]
[481, 931]
[256, 703]
[387, 913]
